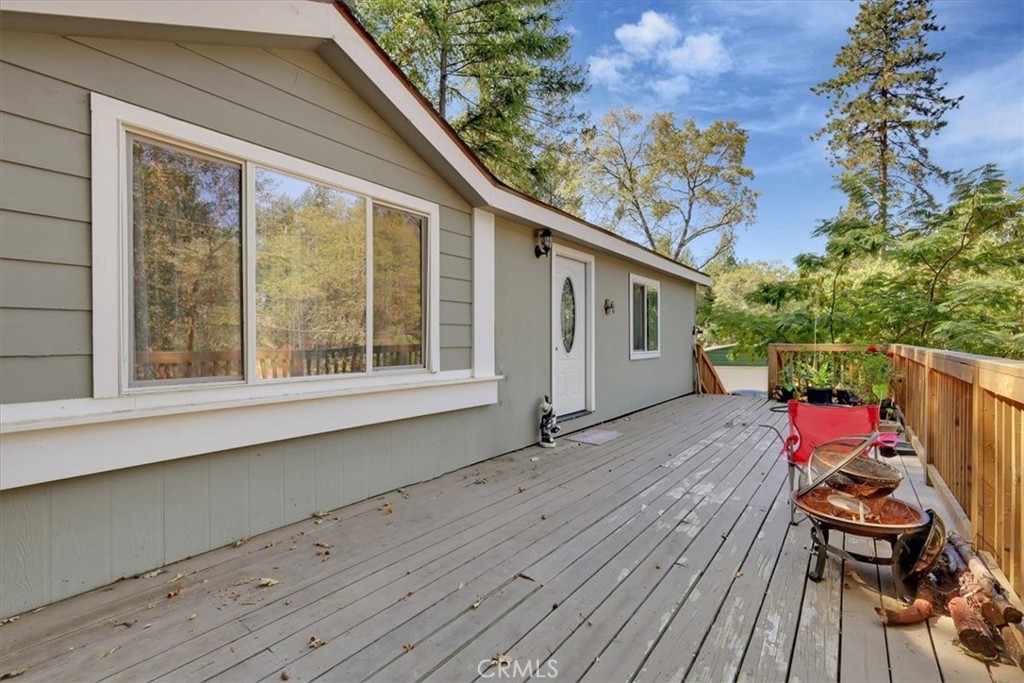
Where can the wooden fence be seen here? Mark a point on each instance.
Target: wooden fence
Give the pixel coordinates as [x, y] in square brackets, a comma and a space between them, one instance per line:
[965, 417]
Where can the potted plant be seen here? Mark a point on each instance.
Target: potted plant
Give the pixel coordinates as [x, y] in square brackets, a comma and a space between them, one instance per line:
[818, 378]
[875, 374]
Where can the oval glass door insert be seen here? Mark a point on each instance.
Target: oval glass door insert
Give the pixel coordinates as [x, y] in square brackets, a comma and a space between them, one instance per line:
[568, 315]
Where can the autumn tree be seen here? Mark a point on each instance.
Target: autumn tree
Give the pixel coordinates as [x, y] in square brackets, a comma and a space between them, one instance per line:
[679, 189]
[497, 70]
[887, 100]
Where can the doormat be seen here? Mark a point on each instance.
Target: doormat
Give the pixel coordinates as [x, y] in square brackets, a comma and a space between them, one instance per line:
[595, 437]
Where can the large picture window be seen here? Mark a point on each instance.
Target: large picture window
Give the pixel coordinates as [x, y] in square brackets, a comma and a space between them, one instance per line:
[645, 318]
[243, 273]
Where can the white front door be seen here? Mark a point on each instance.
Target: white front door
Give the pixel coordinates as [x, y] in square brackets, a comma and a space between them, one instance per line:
[569, 335]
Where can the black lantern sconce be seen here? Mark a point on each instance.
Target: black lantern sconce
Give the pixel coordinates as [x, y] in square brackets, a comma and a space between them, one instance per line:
[609, 307]
[543, 247]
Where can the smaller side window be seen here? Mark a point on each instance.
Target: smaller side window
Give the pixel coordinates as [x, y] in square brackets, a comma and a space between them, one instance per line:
[645, 317]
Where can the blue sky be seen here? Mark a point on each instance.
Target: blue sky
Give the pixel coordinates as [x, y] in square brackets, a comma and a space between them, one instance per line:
[754, 62]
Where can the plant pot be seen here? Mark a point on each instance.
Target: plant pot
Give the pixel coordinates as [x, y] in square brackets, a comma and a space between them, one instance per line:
[846, 398]
[782, 394]
[819, 395]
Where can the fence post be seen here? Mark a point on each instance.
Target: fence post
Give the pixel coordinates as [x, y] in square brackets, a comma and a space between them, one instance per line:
[977, 452]
[926, 414]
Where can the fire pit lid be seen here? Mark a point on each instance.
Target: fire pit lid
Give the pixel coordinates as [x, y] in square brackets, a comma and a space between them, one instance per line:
[856, 445]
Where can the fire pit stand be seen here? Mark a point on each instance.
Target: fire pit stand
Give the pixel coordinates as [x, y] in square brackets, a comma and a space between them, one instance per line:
[851, 494]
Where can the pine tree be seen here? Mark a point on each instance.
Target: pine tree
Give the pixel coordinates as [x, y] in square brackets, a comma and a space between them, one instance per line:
[887, 100]
[496, 70]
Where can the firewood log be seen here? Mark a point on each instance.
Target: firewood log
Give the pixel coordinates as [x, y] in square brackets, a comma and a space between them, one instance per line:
[1000, 611]
[971, 591]
[971, 629]
[918, 611]
[1013, 643]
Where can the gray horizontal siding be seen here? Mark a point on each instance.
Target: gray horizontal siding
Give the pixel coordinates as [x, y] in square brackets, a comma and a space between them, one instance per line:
[28, 237]
[33, 332]
[24, 284]
[44, 193]
[41, 145]
[45, 379]
[66, 537]
[287, 100]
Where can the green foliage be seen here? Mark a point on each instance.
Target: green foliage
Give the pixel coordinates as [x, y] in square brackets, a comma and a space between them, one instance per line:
[951, 281]
[670, 186]
[886, 100]
[498, 71]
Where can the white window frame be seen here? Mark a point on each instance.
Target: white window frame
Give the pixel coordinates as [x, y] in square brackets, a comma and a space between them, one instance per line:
[112, 122]
[646, 282]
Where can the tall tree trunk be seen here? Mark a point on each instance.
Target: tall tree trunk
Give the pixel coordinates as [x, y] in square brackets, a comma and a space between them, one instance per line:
[883, 176]
[442, 84]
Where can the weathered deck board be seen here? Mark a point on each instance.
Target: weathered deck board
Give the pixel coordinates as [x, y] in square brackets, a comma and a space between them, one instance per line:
[665, 554]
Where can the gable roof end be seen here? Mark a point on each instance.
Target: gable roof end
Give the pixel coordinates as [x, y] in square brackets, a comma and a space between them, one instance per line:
[346, 46]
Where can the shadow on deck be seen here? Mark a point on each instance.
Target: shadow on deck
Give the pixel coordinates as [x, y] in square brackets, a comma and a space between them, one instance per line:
[664, 554]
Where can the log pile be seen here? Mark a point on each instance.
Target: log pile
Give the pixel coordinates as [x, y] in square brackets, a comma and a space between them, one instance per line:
[961, 585]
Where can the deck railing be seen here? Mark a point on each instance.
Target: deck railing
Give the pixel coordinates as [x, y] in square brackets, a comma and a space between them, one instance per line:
[965, 417]
[708, 380]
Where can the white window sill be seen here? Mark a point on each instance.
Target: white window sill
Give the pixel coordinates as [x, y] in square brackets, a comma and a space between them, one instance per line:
[53, 440]
[644, 355]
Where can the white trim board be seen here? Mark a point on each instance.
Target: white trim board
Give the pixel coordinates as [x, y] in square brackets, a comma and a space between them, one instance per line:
[35, 457]
[255, 20]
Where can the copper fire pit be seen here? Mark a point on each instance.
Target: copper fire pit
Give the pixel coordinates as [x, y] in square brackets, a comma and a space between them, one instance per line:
[850, 493]
[872, 517]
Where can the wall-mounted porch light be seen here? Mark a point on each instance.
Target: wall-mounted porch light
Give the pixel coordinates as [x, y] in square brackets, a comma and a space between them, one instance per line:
[609, 306]
[543, 247]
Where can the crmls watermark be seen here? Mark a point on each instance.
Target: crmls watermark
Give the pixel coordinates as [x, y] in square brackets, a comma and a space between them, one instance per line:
[513, 668]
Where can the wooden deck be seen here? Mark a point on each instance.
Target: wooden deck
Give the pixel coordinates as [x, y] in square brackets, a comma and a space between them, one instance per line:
[664, 554]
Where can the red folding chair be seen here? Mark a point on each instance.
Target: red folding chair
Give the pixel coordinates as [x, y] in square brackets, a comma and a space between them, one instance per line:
[811, 425]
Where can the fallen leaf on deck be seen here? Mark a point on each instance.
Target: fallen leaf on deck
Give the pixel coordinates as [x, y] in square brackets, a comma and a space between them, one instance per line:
[146, 626]
[150, 575]
[315, 642]
[267, 583]
[323, 544]
[285, 676]
[535, 459]
[9, 620]
[409, 647]
[476, 604]
[269, 545]
[128, 624]
[500, 658]
[320, 514]
[177, 576]
[522, 489]
[240, 542]
[388, 509]
[403, 493]
[110, 651]
[461, 584]
[193, 617]
[242, 582]
[175, 593]
[13, 674]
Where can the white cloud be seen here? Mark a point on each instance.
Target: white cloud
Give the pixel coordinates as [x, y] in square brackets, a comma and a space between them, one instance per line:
[607, 69]
[989, 124]
[672, 87]
[652, 31]
[701, 54]
[655, 56]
